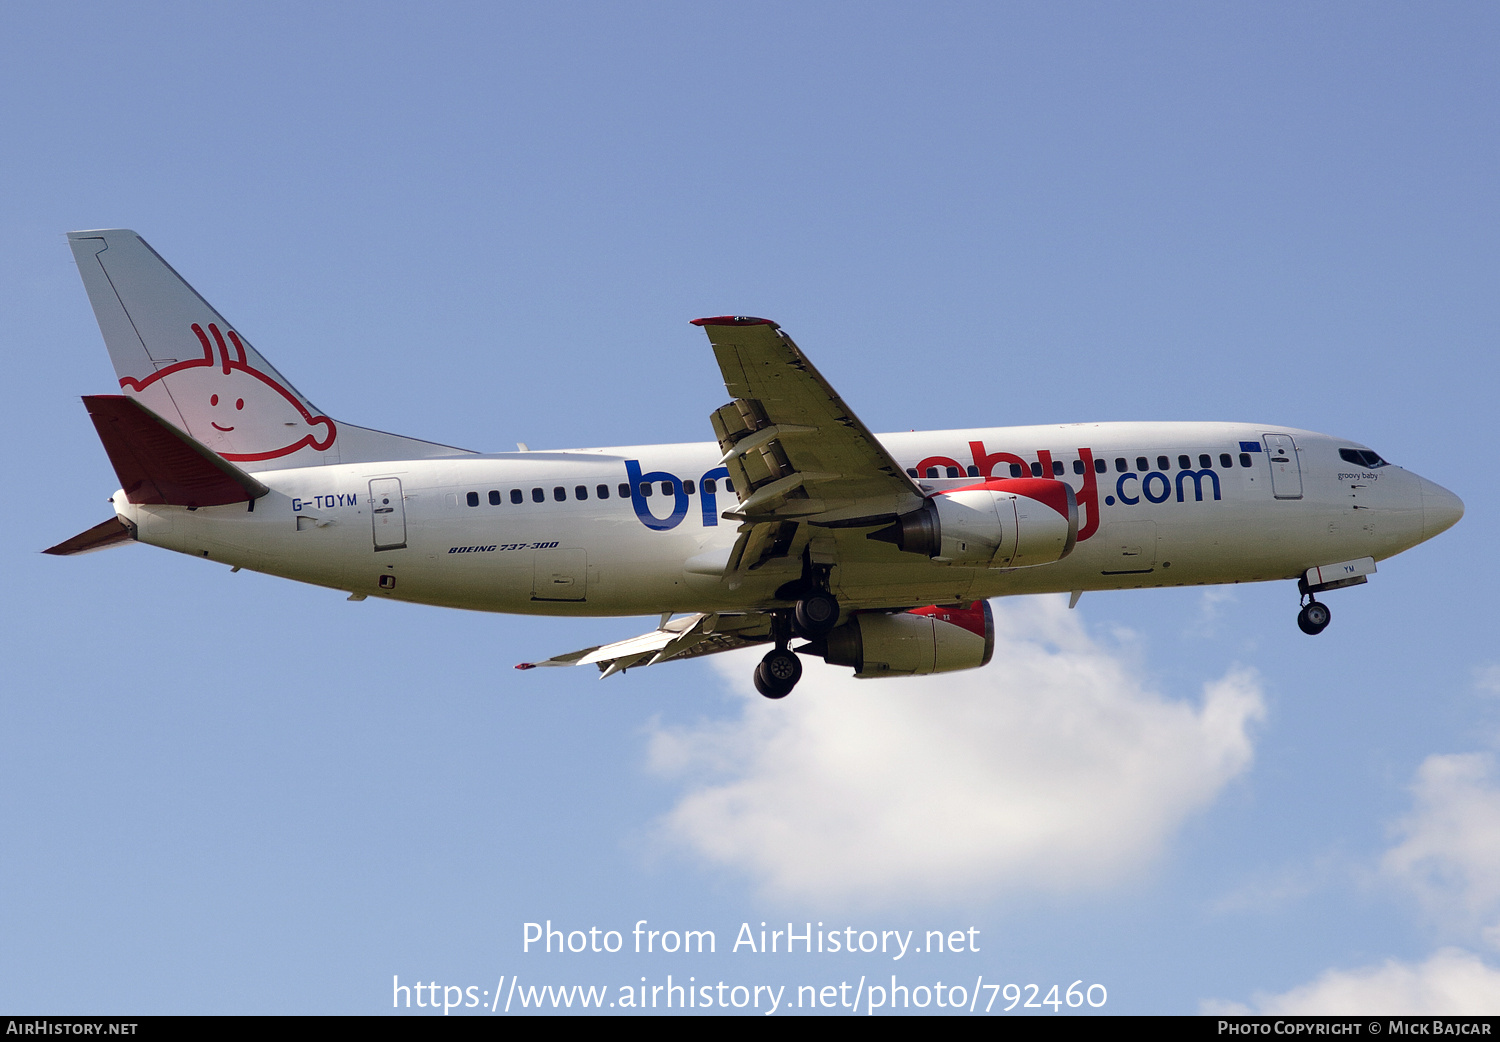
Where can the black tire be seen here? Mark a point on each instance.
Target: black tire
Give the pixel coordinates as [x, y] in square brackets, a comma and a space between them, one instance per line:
[1314, 618]
[816, 614]
[777, 674]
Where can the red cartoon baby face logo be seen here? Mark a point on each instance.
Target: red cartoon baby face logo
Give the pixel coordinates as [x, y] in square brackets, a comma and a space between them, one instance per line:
[213, 399]
[237, 410]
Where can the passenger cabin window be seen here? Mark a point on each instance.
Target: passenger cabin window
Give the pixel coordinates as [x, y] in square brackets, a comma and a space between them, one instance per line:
[1099, 466]
[1244, 459]
[602, 491]
[1226, 460]
[1205, 461]
[1057, 468]
[646, 489]
[667, 489]
[687, 486]
[911, 472]
[1142, 463]
[1185, 463]
[973, 471]
[952, 471]
[581, 492]
[1078, 466]
[1121, 465]
[728, 484]
[932, 472]
[710, 486]
[494, 497]
[1036, 469]
[516, 495]
[473, 498]
[560, 494]
[1015, 470]
[624, 490]
[538, 496]
[1162, 463]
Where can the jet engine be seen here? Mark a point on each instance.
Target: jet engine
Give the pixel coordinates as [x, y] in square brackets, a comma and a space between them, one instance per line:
[924, 640]
[1006, 523]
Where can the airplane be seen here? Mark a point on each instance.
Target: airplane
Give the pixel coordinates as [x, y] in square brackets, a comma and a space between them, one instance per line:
[796, 524]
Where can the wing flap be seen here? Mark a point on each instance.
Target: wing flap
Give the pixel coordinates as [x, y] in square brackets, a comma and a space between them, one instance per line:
[687, 637]
[795, 452]
[790, 444]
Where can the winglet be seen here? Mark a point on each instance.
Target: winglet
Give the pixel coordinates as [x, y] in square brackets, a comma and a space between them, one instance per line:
[734, 320]
[159, 464]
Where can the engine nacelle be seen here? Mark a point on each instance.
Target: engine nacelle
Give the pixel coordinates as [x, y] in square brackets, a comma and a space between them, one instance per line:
[923, 640]
[1006, 523]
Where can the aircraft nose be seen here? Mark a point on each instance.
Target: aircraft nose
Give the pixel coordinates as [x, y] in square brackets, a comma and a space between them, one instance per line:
[1441, 509]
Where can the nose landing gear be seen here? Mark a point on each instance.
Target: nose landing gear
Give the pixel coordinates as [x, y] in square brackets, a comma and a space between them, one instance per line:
[1314, 617]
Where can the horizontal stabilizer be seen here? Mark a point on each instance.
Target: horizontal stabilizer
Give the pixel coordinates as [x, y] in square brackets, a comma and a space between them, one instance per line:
[158, 464]
[101, 537]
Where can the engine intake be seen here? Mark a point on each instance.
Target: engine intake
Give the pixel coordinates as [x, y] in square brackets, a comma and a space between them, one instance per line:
[924, 640]
[1006, 523]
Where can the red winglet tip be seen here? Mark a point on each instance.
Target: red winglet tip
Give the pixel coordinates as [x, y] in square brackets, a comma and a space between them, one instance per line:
[526, 665]
[733, 320]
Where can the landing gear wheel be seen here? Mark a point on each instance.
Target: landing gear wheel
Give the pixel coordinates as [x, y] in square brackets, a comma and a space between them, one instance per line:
[816, 614]
[1314, 618]
[778, 673]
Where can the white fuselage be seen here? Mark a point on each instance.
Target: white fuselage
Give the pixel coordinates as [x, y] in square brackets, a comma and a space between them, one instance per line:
[559, 552]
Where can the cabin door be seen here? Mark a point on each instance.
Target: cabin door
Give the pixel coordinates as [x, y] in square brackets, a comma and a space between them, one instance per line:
[1286, 469]
[388, 513]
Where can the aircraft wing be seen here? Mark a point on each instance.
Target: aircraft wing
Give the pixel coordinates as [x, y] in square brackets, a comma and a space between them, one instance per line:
[687, 637]
[795, 451]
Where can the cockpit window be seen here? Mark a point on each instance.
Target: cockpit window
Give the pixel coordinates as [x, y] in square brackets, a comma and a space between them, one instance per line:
[1362, 458]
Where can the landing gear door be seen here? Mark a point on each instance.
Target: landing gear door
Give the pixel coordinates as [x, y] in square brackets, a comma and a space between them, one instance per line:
[388, 513]
[1286, 469]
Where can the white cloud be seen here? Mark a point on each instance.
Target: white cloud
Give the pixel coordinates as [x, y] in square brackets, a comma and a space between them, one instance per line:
[1487, 679]
[1210, 607]
[1449, 854]
[1279, 888]
[1055, 768]
[1451, 981]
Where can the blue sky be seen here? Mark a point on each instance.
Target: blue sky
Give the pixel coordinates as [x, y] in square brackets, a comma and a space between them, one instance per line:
[485, 224]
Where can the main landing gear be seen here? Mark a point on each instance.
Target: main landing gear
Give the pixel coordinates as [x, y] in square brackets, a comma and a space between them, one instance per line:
[814, 616]
[778, 673]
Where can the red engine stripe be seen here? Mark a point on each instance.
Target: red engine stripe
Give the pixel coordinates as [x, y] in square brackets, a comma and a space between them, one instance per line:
[1043, 490]
[970, 618]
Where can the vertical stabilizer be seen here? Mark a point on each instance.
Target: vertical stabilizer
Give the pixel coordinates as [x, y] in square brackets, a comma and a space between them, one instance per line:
[179, 358]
